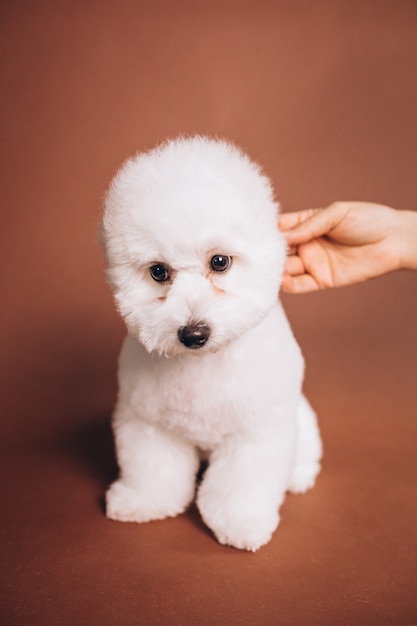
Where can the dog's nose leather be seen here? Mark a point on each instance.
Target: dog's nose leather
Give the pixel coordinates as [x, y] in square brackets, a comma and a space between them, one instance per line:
[194, 335]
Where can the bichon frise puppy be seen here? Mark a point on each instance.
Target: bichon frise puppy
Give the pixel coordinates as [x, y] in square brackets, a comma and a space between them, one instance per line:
[210, 368]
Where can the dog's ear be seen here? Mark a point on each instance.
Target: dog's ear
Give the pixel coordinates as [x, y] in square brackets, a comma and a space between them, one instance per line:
[101, 238]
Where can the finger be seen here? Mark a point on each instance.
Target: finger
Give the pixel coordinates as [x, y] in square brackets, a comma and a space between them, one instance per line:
[294, 266]
[287, 221]
[298, 284]
[320, 223]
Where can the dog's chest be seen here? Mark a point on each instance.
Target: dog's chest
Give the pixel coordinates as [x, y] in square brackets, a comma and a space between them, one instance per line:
[207, 397]
[200, 402]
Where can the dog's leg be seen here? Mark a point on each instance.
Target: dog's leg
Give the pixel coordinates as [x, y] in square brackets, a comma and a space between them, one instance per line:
[308, 450]
[244, 486]
[157, 473]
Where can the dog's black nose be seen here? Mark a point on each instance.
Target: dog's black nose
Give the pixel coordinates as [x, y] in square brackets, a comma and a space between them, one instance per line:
[194, 335]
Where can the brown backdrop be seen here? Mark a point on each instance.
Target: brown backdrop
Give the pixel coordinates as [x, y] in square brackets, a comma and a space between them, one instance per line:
[324, 95]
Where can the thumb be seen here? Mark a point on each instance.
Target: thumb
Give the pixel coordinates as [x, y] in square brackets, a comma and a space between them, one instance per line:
[318, 223]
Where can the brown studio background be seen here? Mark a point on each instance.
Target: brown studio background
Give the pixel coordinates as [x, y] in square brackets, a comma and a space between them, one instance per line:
[323, 94]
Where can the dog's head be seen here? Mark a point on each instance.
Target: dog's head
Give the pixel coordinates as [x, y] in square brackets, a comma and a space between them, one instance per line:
[194, 254]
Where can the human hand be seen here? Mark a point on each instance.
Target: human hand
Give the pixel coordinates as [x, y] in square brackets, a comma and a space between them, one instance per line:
[345, 243]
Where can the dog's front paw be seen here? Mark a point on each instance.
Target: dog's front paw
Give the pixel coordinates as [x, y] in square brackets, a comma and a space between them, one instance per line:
[304, 477]
[246, 532]
[126, 503]
[238, 524]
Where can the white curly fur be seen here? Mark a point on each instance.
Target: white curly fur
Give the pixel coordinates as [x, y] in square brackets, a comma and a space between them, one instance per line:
[236, 397]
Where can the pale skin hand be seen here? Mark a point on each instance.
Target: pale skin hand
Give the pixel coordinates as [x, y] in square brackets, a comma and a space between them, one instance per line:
[346, 243]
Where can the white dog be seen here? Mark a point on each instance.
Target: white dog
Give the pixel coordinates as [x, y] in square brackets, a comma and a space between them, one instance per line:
[210, 368]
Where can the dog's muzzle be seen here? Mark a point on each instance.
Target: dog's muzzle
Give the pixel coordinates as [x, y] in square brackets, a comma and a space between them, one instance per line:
[194, 335]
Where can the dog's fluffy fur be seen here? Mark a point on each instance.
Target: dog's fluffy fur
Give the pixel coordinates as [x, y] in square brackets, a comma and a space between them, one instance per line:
[228, 387]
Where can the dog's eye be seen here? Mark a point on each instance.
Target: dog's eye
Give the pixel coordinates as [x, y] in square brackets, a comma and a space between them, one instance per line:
[160, 272]
[220, 262]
